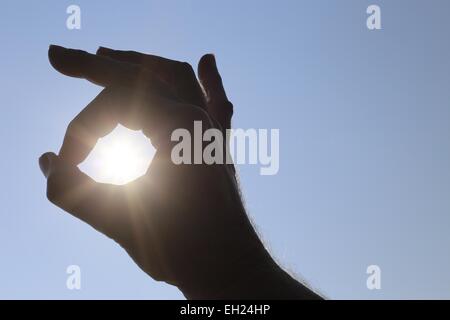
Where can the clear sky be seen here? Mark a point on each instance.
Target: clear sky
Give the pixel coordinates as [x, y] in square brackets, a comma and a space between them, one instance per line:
[364, 119]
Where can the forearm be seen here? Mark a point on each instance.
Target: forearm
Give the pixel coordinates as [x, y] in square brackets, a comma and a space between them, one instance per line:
[233, 263]
[256, 278]
[268, 283]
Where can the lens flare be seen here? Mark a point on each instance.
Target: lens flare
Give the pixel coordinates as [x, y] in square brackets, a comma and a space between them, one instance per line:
[120, 157]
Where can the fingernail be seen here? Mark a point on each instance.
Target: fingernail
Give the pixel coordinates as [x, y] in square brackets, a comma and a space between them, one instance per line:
[58, 51]
[54, 49]
[211, 60]
[55, 54]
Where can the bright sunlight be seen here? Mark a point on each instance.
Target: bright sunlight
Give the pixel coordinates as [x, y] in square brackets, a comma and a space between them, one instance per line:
[120, 157]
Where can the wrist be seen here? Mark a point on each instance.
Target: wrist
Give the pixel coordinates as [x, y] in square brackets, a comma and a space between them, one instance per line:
[255, 276]
[231, 279]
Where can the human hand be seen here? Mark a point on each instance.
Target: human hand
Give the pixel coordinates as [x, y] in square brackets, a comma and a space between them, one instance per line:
[182, 224]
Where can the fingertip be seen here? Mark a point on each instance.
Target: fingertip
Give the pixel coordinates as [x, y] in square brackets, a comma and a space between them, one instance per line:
[45, 162]
[207, 64]
[55, 54]
[67, 61]
[210, 78]
[54, 49]
[208, 57]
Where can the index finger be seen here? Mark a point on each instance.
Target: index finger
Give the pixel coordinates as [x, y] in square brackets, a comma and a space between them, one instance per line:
[179, 75]
[103, 71]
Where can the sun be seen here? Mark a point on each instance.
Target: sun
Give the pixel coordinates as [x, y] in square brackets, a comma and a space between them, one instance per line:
[120, 157]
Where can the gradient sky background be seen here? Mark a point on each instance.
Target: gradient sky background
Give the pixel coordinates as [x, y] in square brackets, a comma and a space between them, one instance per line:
[364, 119]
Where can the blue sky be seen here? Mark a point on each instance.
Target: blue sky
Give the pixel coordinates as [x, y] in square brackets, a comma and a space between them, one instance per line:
[364, 119]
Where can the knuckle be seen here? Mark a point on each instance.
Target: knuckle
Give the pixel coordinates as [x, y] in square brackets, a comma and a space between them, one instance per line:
[73, 127]
[184, 70]
[229, 109]
[186, 67]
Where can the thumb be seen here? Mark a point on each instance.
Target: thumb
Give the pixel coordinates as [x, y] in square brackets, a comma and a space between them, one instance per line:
[101, 205]
[67, 186]
[217, 102]
[45, 162]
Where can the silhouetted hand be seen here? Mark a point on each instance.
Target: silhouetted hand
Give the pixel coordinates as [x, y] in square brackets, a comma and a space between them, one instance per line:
[182, 224]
